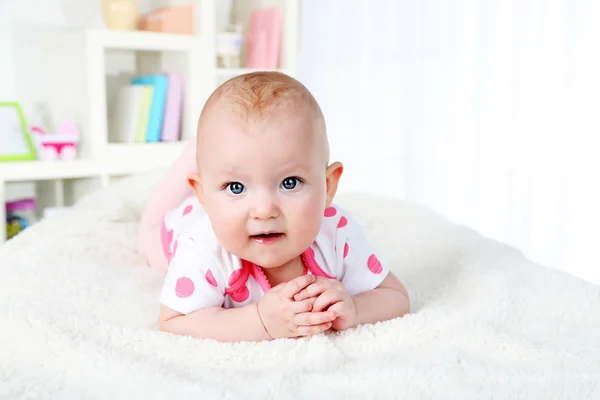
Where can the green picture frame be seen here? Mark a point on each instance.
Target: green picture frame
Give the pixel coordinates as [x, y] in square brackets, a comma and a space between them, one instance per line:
[16, 143]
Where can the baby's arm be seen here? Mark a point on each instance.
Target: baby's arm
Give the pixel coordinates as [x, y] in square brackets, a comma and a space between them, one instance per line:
[388, 300]
[224, 325]
[276, 315]
[168, 194]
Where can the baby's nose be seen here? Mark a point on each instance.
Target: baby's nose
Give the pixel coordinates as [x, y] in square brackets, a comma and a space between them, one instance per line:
[265, 207]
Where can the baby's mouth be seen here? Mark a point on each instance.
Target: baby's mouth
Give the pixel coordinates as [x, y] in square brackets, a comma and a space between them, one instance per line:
[267, 238]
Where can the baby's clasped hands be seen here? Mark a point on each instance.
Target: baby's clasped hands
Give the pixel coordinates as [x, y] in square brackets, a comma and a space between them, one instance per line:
[330, 295]
[290, 309]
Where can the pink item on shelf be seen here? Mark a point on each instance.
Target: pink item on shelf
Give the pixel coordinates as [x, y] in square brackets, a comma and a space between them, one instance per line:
[171, 129]
[264, 38]
[256, 42]
[274, 49]
[20, 215]
[62, 144]
[21, 205]
[177, 19]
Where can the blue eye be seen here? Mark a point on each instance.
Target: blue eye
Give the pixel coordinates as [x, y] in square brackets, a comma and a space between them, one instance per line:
[235, 187]
[290, 183]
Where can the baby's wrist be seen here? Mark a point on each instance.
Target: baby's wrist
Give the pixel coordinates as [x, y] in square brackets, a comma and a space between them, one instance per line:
[356, 318]
[267, 335]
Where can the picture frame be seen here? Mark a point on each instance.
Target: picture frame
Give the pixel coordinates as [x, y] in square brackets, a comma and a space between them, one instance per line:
[16, 143]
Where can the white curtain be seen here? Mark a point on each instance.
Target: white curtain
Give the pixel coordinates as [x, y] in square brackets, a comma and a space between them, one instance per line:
[486, 111]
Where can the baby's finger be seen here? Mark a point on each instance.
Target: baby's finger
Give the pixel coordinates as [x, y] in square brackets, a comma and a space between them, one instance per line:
[296, 284]
[313, 290]
[303, 306]
[313, 318]
[338, 308]
[313, 329]
[278, 288]
[326, 299]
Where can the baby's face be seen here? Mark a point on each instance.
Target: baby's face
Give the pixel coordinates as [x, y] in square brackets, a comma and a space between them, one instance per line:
[264, 185]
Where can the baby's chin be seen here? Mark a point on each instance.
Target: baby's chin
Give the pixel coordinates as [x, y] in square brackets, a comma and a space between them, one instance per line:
[269, 259]
[266, 253]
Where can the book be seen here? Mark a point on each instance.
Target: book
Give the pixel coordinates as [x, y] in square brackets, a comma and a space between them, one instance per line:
[125, 116]
[159, 82]
[171, 129]
[144, 113]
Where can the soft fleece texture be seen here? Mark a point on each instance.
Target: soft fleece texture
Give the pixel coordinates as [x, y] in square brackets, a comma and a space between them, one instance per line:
[78, 320]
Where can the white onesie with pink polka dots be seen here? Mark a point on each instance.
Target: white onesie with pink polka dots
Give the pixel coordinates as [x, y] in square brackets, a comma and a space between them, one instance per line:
[203, 274]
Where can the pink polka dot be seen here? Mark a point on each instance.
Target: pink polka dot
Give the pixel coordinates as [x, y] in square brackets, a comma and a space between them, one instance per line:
[184, 287]
[241, 295]
[330, 211]
[234, 277]
[374, 264]
[346, 250]
[187, 210]
[210, 278]
[343, 222]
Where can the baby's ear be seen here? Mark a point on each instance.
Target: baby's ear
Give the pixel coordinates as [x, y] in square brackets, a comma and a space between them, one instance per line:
[333, 175]
[196, 184]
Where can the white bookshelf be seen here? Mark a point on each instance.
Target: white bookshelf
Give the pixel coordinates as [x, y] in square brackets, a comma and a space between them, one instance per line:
[80, 73]
[138, 40]
[40, 170]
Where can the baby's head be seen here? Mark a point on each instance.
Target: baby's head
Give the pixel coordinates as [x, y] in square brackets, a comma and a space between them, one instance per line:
[263, 174]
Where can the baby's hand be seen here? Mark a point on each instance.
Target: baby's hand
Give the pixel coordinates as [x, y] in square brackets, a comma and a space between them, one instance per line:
[284, 317]
[331, 295]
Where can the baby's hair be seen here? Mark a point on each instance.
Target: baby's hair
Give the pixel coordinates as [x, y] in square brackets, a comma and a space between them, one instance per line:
[257, 94]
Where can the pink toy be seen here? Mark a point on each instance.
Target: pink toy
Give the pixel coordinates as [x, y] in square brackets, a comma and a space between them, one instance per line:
[62, 144]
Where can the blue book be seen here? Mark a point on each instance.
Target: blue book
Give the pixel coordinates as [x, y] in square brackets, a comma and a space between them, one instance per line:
[160, 84]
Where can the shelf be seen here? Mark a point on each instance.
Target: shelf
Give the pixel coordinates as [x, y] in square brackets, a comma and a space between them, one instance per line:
[231, 72]
[122, 159]
[141, 40]
[128, 158]
[44, 170]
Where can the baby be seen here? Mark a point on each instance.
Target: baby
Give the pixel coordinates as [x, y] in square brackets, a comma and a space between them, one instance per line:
[261, 252]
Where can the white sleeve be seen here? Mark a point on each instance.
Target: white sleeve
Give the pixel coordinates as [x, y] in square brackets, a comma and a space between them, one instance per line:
[361, 269]
[194, 279]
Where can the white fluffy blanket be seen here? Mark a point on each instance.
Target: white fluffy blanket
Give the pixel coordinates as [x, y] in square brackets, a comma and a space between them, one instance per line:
[78, 320]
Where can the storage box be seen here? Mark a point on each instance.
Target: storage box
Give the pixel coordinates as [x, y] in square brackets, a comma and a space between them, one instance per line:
[178, 19]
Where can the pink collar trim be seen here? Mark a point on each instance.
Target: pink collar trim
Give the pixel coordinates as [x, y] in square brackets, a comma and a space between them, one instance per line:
[248, 268]
[308, 257]
[259, 276]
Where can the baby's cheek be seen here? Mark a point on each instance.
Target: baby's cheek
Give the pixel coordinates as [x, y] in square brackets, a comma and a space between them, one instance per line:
[310, 216]
[312, 211]
[227, 226]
